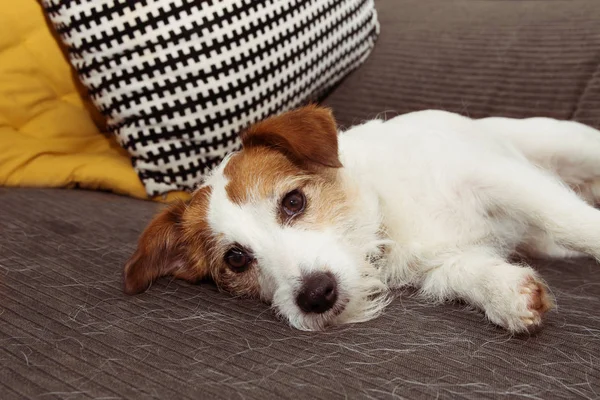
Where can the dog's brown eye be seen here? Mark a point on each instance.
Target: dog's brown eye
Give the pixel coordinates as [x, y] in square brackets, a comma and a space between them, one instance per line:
[293, 203]
[238, 259]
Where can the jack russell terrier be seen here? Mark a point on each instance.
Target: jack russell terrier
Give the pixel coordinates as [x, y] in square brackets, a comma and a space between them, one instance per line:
[323, 225]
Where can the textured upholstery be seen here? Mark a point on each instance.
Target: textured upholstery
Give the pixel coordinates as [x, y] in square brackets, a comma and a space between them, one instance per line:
[68, 331]
[479, 58]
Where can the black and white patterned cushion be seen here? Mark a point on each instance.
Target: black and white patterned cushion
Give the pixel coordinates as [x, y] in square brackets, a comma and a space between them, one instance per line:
[178, 79]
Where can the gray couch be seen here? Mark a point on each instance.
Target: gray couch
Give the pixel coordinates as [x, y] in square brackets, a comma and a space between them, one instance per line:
[67, 331]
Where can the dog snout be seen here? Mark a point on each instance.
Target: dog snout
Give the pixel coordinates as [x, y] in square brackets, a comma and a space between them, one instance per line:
[318, 293]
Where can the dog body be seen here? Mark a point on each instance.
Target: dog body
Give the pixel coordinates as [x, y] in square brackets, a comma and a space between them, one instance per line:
[322, 225]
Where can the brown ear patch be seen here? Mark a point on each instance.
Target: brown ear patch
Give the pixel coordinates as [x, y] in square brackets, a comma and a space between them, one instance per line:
[307, 135]
[164, 247]
[158, 251]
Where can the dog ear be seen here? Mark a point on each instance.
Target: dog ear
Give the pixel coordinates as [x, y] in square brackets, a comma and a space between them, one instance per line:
[159, 252]
[307, 135]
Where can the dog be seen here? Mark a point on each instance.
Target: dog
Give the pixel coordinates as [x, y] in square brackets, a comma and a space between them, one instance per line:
[324, 225]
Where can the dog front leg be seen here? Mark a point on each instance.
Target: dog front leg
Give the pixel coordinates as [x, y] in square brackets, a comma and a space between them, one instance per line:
[511, 296]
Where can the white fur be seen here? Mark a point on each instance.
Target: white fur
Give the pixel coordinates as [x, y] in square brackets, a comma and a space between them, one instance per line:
[455, 198]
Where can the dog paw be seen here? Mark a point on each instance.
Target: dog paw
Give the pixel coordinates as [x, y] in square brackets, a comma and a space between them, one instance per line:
[521, 308]
[537, 301]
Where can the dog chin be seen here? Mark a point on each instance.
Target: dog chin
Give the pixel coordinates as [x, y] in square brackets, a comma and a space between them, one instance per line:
[348, 309]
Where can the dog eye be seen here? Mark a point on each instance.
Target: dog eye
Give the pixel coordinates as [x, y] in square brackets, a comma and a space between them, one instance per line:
[238, 259]
[293, 203]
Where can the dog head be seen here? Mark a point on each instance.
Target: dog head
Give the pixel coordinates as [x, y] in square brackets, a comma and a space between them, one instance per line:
[278, 221]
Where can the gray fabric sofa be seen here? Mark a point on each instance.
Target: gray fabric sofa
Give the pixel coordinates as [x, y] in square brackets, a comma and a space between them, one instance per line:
[67, 331]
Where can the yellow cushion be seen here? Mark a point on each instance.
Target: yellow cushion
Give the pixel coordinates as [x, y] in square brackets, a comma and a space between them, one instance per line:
[49, 131]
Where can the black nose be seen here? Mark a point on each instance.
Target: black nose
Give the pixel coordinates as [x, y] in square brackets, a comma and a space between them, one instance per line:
[318, 293]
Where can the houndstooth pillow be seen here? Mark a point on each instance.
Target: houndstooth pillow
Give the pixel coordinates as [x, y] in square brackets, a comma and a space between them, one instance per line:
[178, 79]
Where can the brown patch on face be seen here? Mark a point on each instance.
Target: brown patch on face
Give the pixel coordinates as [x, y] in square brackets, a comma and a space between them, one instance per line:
[261, 173]
[256, 172]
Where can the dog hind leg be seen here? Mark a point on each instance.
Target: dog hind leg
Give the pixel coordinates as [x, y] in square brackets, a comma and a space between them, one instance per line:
[539, 199]
[567, 148]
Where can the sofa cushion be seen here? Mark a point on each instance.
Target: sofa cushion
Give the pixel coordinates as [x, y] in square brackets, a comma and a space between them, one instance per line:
[479, 58]
[50, 134]
[178, 80]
